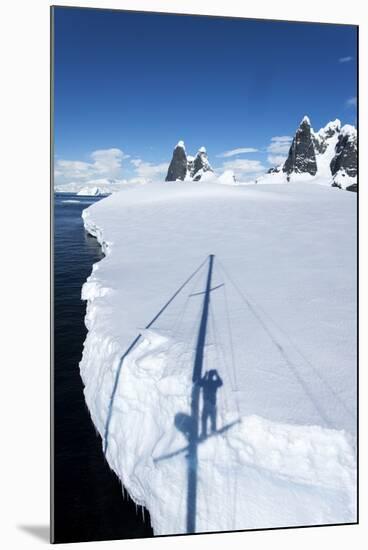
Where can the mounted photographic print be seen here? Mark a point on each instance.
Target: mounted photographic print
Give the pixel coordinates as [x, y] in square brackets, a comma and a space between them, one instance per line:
[205, 274]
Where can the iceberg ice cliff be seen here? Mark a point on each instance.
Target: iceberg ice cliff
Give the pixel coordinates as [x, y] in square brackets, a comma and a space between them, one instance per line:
[281, 334]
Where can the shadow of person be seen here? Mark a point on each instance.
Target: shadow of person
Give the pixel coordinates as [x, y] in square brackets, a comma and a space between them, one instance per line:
[183, 422]
[210, 383]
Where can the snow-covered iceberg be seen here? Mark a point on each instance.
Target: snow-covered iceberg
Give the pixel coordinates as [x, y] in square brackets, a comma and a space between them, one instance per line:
[281, 334]
[101, 186]
[91, 191]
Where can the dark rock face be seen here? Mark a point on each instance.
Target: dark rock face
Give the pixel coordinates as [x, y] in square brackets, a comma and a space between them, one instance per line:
[336, 184]
[190, 163]
[196, 166]
[352, 187]
[182, 166]
[302, 158]
[273, 170]
[321, 138]
[200, 165]
[345, 155]
[178, 165]
[320, 145]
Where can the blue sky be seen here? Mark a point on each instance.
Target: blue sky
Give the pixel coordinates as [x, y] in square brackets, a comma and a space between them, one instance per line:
[129, 85]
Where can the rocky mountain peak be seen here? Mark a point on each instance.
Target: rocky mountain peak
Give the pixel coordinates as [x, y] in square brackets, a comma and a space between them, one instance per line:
[305, 121]
[349, 130]
[345, 159]
[301, 157]
[186, 167]
[330, 129]
[179, 165]
[331, 154]
[323, 137]
[200, 164]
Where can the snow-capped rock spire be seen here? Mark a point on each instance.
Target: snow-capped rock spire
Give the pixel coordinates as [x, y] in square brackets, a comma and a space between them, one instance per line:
[200, 164]
[178, 165]
[301, 157]
[305, 120]
[185, 167]
[344, 163]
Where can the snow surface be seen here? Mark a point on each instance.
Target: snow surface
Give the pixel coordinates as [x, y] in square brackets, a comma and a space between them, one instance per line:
[324, 160]
[349, 130]
[343, 180]
[227, 177]
[281, 333]
[332, 126]
[282, 178]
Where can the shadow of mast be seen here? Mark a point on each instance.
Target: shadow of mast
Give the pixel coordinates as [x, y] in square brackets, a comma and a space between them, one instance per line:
[192, 456]
[193, 433]
[189, 425]
[200, 440]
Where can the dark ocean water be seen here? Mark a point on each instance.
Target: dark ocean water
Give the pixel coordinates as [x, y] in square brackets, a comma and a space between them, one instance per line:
[88, 500]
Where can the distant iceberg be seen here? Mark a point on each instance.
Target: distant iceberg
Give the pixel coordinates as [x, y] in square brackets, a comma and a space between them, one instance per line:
[88, 191]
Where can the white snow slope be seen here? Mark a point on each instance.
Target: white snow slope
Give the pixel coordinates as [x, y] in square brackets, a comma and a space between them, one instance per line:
[281, 333]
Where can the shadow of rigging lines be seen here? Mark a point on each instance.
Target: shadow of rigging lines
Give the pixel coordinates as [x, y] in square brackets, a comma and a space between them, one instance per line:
[188, 424]
[130, 348]
[201, 439]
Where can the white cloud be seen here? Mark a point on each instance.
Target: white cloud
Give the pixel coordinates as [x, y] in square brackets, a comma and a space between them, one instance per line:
[105, 163]
[345, 59]
[282, 138]
[351, 102]
[244, 169]
[72, 169]
[276, 160]
[136, 162]
[238, 151]
[279, 145]
[108, 161]
[149, 171]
